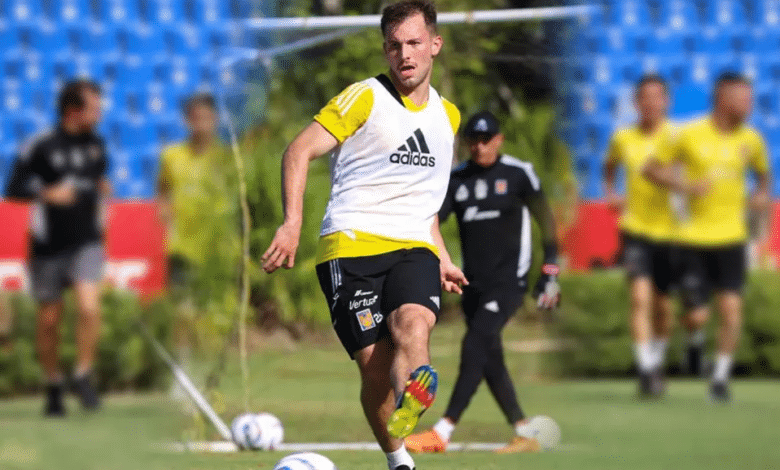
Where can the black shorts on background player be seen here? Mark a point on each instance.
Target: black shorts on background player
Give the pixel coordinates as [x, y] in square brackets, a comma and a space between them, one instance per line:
[711, 268]
[656, 260]
[362, 291]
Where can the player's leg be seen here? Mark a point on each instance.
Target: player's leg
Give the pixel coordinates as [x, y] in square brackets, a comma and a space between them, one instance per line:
[638, 264]
[87, 274]
[497, 375]
[662, 315]
[695, 289]
[412, 291]
[47, 275]
[729, 268]
[352, 289]
[377, 397]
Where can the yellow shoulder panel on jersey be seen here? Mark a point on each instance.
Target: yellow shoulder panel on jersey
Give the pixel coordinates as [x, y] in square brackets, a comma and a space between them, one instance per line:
[453, 113]
[347, 111]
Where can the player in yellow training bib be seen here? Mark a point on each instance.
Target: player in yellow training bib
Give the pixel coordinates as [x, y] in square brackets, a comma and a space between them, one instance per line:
[715, 153]
[646, 227]
[381, 260]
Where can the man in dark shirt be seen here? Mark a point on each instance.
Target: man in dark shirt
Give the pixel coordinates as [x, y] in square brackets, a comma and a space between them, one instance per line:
[63, 173]
[493, 197]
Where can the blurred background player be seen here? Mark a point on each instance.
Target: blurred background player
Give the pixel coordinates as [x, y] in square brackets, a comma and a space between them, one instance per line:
[647, 226]
[715, 153]
[392, 140]
[193, 181]
[63, 172]
[491, 195]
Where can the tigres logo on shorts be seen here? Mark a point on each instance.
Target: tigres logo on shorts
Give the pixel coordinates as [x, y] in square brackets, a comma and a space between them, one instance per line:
[365, 319]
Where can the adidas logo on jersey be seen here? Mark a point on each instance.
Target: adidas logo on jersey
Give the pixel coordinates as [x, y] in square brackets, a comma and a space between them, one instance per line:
[414, 152]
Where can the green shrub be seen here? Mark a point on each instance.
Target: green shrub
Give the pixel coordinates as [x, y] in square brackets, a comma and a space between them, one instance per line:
[595, 317]
[124, 359]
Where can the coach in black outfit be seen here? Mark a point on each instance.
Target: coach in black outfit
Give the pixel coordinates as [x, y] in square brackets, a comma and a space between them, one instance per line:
[63, 173]
[493, 197]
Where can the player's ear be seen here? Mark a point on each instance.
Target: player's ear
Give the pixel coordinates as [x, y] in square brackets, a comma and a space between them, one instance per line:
[499, 139]
[436, 44]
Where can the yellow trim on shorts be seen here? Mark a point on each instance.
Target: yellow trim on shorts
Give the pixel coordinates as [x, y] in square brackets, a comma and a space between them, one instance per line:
[355, 244]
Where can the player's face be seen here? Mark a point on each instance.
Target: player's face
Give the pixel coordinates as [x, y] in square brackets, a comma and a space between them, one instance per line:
[652, 102]
[484, 148]
[410, 48]
[738, 98]
[202, 120]
[90, 113]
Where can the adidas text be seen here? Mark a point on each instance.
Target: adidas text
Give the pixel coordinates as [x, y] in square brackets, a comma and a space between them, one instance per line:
[413, 158]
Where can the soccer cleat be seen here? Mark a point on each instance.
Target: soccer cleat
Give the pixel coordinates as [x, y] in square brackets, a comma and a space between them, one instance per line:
[425, 442]
[417, 397]
[658, 383]
[520, 445]
[719, 392]
[82, 386]
[645, 385]
[55, 407]
[403, 467]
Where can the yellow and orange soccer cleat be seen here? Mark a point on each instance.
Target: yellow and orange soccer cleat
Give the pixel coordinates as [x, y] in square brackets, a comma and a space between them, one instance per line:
[425, 442]
[520, 445]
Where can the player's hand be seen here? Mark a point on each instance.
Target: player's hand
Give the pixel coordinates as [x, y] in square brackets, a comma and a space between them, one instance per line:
[699, 188]
[452, 278]
[283, 248]
[547, 291]
[60, 194]
[615, 202]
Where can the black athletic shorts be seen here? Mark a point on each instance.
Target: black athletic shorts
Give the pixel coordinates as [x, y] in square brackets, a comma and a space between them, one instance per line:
[362, 291]
[714, 268]
[657, 260]
[489, 310]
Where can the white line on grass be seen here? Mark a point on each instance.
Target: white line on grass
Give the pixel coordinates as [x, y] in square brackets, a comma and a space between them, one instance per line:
[228, 447]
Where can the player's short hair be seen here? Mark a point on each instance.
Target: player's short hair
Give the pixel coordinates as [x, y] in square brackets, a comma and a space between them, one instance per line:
[649, 79]
[394, 14]
[198, 99]
[730, 78]
[72, 94]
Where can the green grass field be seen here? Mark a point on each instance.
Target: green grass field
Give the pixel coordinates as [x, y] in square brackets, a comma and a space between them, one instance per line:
[313, 389]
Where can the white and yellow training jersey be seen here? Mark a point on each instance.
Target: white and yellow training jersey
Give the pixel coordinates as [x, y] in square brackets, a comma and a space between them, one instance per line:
[390, 174]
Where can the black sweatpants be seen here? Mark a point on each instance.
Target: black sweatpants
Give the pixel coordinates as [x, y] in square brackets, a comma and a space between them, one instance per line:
[482, 353]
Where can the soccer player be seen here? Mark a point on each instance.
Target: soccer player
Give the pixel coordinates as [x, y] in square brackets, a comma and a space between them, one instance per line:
[647, 226]
[194, 179]
[493, 197]
[63, 172]
[715, 153]
[391, 141]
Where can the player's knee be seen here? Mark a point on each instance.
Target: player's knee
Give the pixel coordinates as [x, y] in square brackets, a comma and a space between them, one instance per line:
[411, 324]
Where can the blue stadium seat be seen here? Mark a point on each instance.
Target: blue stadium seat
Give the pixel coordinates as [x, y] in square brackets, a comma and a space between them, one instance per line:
[24, 124]
[24, 10]
[169, 128]
[715, 41]
[157, 101]
[42, 36]
[130, 131]
[134, 72]
[8, 37]
[183, 39]
[139, 39]
[634, 14]
[766, 13]
[726, 14]
[71, 11]
[103, 38]
[205, 12]
[767, 102]
[588, 172]
[161, 12]
[119, 12]
[766, 41]
[678, 15]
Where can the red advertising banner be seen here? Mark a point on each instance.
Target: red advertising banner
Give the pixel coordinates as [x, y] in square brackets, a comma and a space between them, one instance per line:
[135, 247]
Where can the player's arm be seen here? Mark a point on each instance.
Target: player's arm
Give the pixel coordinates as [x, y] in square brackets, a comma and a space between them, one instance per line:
[547, 290]
[164, 188]
[33, 178]
[760, 166]
[614, 200]
[314, 141]
[665, 170]
[452, 278]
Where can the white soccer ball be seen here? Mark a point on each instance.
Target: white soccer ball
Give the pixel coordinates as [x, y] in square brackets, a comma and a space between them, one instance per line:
[305, 461]
[272, 432]
[548, 433]
[257, 431]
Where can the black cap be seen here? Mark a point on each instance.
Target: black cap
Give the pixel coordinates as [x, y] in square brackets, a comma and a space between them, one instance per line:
[482, 123]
